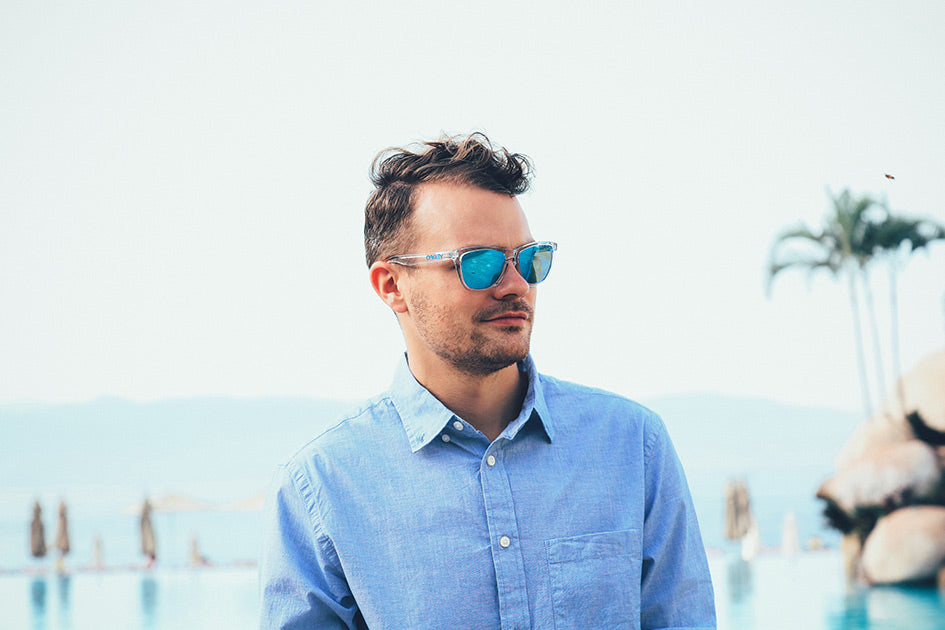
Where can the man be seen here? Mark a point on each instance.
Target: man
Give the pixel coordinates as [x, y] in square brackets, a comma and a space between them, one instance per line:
[476, 492]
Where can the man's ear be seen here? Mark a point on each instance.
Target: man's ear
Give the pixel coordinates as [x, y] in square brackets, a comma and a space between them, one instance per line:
[386, 278]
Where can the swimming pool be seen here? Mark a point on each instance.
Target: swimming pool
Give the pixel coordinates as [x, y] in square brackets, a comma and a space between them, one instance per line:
[771, 593]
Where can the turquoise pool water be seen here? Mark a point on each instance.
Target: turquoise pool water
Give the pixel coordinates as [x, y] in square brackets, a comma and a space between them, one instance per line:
[807, 592]
[164, 599]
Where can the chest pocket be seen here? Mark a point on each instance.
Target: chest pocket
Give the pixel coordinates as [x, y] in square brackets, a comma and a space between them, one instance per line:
[595, 580]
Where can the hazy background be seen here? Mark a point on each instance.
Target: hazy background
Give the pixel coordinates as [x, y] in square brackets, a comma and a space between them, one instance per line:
[182, 185]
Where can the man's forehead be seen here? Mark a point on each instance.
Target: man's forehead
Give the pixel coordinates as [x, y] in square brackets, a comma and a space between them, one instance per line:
[451, 211]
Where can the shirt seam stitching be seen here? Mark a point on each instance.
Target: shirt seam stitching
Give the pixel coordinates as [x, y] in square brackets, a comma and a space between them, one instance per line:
[307, 495]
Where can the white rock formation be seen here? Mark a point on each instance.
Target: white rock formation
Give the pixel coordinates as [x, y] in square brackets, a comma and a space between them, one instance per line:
[906, 545]
[924, 391]
[885, 476]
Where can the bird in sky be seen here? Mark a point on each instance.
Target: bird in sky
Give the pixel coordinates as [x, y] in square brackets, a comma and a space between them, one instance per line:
[888, 176]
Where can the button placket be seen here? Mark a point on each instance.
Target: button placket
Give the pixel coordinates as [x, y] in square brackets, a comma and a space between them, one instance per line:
[503, 530]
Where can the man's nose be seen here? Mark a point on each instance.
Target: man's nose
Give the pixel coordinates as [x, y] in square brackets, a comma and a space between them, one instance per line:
[512, 285]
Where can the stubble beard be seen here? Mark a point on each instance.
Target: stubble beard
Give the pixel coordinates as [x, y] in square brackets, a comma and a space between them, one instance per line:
[469, 347]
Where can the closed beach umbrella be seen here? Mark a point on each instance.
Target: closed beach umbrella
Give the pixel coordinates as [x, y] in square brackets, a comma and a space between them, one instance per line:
[62, 538]
[37, 533]
[62, 532]
[148, 544]
[197, 559]
[790, 539]
[98, 555]
[751, 542]
[738, 518]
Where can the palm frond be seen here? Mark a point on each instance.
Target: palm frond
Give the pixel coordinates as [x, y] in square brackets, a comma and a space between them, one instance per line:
[889, 235]
[801, 260]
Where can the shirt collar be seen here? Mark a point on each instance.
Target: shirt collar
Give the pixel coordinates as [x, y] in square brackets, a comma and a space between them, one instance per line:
[424, 417]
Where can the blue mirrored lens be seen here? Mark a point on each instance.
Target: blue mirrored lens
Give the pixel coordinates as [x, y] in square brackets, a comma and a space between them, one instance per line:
[534, 263]
[481, 268]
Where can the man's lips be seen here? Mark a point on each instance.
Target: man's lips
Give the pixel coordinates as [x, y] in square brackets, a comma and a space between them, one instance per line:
[511, 318]
[511, 314]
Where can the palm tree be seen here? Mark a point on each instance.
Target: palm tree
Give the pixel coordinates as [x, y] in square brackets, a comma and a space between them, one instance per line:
[837, 247]
[886, 239]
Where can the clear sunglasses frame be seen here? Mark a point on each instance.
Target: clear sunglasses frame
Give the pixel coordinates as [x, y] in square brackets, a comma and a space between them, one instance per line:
[456, 255]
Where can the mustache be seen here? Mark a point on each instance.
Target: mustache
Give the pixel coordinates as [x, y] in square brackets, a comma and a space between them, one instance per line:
[518, 306]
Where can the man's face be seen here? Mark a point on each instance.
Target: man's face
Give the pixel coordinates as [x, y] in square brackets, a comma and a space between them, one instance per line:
[477, 332]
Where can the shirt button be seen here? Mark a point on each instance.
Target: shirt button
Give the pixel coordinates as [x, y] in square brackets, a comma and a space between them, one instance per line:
[445, 438]
[491, 460]
[504, 542]
[458, 425]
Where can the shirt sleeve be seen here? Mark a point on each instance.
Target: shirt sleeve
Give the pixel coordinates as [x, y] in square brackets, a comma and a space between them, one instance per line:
[676, 589]
[301, 580]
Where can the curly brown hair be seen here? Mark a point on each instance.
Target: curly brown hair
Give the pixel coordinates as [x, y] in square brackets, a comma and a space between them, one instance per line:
[397, 173]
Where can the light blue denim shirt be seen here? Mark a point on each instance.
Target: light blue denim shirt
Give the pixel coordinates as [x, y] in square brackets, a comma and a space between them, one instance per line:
[405, 517]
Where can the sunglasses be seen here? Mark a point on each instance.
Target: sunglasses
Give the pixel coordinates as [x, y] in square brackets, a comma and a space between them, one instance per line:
[482, 268]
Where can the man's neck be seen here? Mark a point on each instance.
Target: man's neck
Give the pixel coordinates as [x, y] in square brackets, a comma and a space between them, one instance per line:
[489, 402]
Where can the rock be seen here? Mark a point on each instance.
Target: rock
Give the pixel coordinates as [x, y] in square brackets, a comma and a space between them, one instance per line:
[924, 389]
[907, 545]
[880, 430]
[885, 477]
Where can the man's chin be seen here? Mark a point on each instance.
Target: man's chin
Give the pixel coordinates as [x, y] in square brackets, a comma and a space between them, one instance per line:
[486, 364]
[510, 356]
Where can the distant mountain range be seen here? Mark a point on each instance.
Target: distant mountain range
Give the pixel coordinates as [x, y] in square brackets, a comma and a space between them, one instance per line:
[219, 447]
[719, 437]
[783, 452]
[110, 451]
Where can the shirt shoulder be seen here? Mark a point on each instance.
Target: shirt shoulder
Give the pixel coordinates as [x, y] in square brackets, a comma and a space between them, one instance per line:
[374, 420]
[584, 408]
[565, 395]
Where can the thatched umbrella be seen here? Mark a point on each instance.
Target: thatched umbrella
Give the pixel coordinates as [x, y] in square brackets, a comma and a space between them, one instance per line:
[37, 533]
[148, 543]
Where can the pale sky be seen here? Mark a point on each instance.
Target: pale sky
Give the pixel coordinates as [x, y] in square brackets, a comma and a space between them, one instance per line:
[182, 185]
